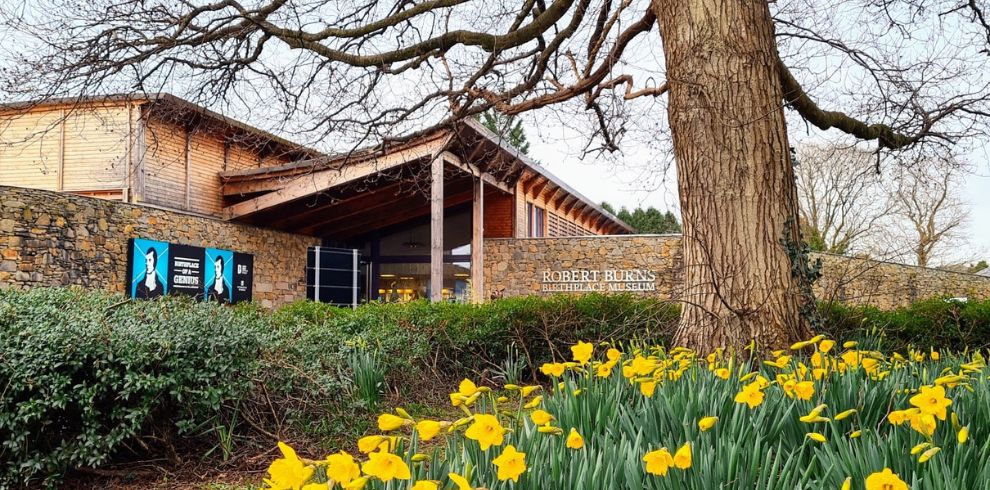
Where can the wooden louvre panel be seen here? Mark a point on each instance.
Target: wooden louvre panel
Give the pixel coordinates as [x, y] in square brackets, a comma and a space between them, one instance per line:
[558, 226]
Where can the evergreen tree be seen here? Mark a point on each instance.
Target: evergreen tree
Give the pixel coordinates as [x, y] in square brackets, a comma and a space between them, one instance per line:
[649, 221]
[508, 127]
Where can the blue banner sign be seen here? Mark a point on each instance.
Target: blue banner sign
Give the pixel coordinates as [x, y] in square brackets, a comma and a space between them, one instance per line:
[158, 268]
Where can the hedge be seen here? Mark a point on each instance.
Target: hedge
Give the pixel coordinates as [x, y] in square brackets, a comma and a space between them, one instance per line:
[82, 374]
[88, 378]
[936, 323]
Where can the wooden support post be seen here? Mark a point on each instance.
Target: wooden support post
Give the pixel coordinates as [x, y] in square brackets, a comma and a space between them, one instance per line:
[436, 229]
[188, 170]
[139, 155]
[478, 241]
[129, 155]
[60, 182]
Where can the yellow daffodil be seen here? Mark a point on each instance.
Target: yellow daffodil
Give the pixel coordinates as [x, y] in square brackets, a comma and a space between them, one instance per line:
[924, 423]
[963, 435]
[581, 352]
[487, 430]
[574, 439]
[613, 355]
[541, 417]
[816, 436]
[525, 391]
[369, 444]
[426, 485]
[751, 395]
[357, 483]
[288, 472]
[846, 414]
[427, 429]
[510, 464]
[825, 346]
[549, 429]
[847, 483]
[898, 417]
[682, 458]
[706, 423]
[605, 370]
[388, 422]
[534, 402]
[931, 452]
[386, 467]
[919, 448]
[555, 370]
[643, 366]
[467, 387]
[722, 373]
[813, 419]
[804, 390]
[932, 401]
[461, 482]
[342, 468]
[647, 388]
[856, 433]
[658, 462]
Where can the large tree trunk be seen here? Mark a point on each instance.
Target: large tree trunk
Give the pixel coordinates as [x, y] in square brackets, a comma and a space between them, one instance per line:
[735, 177]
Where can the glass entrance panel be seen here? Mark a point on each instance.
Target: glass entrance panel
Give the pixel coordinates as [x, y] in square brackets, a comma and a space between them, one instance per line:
[411, 281]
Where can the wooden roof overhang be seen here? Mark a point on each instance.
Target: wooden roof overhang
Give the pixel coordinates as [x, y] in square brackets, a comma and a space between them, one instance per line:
[351, 194]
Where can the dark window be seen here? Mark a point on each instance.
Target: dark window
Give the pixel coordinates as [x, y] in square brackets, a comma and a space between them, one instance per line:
[537, 220]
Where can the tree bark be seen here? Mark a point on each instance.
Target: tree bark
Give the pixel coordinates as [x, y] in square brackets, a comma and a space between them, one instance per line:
[735, 178]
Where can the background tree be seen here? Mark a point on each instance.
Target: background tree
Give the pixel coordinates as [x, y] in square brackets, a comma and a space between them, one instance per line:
[979, 266]
[724, 70]
[843, 200]
[508, 127]
[926, 189]
[649, 220]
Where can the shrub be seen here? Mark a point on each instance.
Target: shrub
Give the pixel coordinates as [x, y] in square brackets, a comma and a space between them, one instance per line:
[85, 373]
[447, 340]
[938, 323]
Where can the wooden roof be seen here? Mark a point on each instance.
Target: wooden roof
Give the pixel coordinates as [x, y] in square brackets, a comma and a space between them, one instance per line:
[284, 196]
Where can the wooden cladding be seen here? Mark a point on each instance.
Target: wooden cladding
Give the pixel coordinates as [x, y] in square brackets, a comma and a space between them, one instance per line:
[58, 149]
[123, 150]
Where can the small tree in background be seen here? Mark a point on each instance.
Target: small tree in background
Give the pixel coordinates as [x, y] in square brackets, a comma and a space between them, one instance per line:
[843, 202]
[509, 128]
[929, 204]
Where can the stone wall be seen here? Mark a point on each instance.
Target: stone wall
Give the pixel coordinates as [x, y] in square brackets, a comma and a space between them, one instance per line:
[516, 267]
[55, 239]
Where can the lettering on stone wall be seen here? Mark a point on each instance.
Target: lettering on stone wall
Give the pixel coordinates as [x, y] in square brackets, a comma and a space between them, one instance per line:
[595, 280]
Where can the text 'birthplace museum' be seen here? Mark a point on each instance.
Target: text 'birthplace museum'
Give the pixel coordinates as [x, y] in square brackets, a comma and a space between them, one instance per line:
[155, 195]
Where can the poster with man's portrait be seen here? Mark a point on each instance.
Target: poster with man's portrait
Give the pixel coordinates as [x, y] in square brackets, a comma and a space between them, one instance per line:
[218, 269]
[149, 268]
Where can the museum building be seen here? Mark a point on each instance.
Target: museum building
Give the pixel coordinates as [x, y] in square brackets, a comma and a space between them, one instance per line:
[413, 215]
